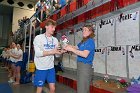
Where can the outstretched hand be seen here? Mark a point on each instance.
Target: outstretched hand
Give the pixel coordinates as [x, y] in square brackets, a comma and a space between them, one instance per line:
[68, 48]
[63, 51]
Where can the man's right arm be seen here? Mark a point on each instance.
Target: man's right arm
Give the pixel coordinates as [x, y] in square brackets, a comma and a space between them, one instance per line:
[41, 53]
[52, 52]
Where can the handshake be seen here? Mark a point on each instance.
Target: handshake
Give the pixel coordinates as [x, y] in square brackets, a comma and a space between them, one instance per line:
[59, 50]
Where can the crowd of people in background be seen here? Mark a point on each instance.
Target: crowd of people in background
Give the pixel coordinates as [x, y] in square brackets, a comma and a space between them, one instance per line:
[12, 61]
[49, 6]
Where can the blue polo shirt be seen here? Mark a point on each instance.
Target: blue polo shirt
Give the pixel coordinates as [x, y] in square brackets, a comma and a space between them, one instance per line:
[90, 46]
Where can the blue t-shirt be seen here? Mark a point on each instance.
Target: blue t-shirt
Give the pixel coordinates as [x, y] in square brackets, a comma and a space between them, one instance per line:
[62, 2]
[87, 45]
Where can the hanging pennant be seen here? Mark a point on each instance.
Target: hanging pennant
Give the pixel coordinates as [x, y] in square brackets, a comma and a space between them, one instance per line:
[73, 6]
[63, 11]
[86, 1]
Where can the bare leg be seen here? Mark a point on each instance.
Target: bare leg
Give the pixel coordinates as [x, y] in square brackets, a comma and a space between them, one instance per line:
[39, 90]
[52, 87]
[17, 75]
[13, 71]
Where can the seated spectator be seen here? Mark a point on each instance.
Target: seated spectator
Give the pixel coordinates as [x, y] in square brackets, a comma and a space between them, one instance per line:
[62, 2]
[41, 14]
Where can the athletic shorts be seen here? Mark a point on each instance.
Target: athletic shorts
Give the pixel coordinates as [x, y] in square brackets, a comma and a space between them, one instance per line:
[44, 75]
[19, 63]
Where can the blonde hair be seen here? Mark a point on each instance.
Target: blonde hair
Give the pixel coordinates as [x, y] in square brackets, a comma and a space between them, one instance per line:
[50, 22]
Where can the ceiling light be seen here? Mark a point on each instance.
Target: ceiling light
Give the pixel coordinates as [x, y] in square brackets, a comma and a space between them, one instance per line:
[20, 4]
[10, 2]
[30, 6]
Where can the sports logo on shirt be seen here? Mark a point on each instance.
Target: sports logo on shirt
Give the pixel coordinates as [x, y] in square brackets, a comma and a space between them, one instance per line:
[48, 46]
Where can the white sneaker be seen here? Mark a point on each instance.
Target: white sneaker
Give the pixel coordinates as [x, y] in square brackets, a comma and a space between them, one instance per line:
[11, 80]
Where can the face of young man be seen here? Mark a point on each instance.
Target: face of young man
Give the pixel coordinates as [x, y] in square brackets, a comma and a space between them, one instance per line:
[50, 29]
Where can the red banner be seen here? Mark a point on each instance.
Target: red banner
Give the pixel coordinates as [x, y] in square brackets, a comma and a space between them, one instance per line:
[129, 2]
[93, 13]
[61, 26]
[63, 11]
[96, 12]
[121, 3]
[99, 11]
[79, 3]
[106, 8]
[58, 15]
[55, 17]
[81, 18]
[86, 1]
[73, 6]
[65, 25]
[75, 20]
[87, 15]
[70, 22]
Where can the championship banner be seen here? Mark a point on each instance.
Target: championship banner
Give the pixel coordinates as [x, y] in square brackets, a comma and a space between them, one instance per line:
[134, 61]
[99, 60]
[127, 29]
[116, 61]
[106, 36]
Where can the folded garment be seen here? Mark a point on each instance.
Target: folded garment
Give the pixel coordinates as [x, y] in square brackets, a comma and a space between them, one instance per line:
[135, 88]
